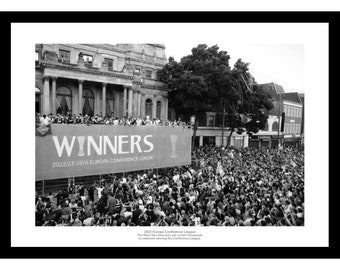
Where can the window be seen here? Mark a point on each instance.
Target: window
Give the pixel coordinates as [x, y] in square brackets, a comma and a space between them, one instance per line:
[37, 100]
[275, 126]
[64, 56]
[148, 108]
[88, 102]
[109, 63]
[285, 109]
[298, 128]
[238, 142]
[209, 140]
[64, 100]
[148, 74]
[88, 60]
[211, 119]
[287, 128]
[109, 103]
[158, 110]
[36, 59]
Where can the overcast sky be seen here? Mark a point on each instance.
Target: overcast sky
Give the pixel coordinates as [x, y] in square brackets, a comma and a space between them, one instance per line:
[279, 63]
[283, 53]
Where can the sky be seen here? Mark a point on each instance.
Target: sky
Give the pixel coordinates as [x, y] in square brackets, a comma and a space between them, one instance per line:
[279, 63]
[283, 53]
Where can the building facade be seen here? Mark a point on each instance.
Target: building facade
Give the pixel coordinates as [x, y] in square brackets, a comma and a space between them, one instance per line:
[109, 80]
[210, 129]
[293, 113]
[284, 122]
[302, 98]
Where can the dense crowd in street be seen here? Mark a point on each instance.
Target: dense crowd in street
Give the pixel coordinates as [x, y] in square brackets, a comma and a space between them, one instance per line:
[73, 119]
[222, 187]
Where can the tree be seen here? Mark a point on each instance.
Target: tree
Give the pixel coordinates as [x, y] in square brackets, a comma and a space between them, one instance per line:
[195, 83]
[245, 102]
[204, 78]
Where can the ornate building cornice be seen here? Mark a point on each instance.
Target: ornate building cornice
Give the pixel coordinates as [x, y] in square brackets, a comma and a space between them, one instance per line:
[141, 61]
[153, 87]
[74, 68]
[137, 82]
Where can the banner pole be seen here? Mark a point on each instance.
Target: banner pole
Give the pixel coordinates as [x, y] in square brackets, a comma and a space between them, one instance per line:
[43, 187]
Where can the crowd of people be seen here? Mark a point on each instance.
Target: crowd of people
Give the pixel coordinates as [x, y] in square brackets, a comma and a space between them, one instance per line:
[222, 187]
[80, 119]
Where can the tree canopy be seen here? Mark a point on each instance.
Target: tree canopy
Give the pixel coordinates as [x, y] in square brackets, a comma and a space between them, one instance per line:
[246, 102]
[204, 78]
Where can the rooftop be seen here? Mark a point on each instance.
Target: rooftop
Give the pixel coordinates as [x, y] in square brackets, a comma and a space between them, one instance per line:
[273, 89]
[292, 96]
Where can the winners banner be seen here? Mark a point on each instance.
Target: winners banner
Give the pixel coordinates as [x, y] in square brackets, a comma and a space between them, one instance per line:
[71, 150]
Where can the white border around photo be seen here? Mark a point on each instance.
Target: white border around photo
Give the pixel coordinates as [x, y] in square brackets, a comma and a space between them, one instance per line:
[314, 38]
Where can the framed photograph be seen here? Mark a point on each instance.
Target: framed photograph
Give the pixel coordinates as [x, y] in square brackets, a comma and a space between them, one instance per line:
[171, 135]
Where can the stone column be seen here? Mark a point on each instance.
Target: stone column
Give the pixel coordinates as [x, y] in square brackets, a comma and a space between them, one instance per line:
[104, 99]
[80, 96]
[54, 95]
[166, 108]
[130, 102]
[154, 106]
[46, 95]
[116, 108]
[124, 100]
[133, 99]
[97, 102]
[135, 104]
[163, 108]
[139, 99]
[201, 140]
[75, 102]
[142, 111]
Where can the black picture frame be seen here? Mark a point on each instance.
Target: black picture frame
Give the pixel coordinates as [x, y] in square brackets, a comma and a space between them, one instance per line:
[330, 252]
